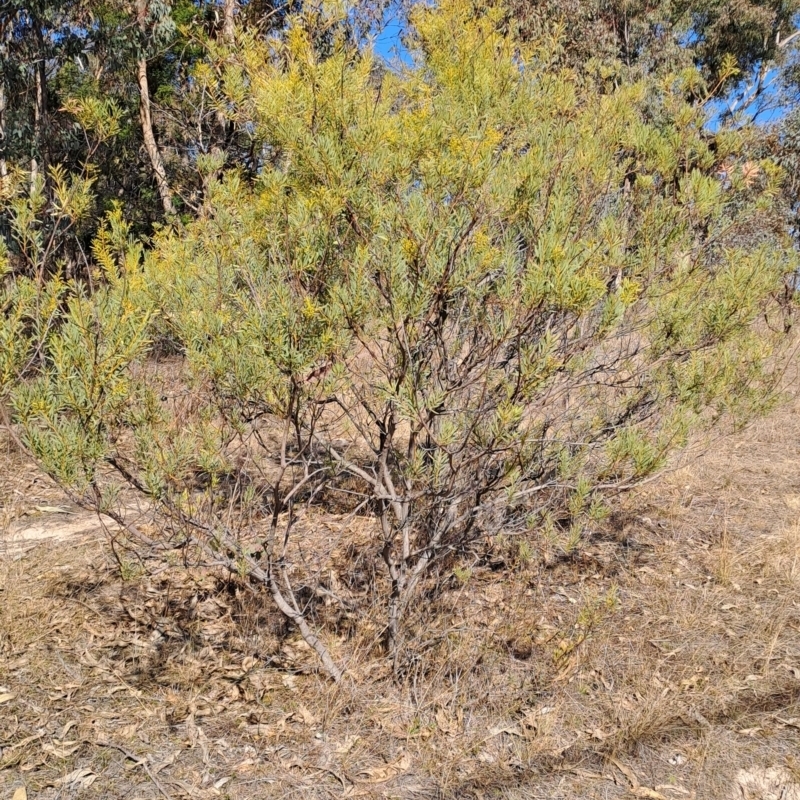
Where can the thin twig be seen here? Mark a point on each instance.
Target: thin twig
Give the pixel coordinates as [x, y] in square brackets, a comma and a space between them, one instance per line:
[139, 761]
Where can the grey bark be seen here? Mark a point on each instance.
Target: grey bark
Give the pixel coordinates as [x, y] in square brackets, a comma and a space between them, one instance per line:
[146, 118]
[153, 153]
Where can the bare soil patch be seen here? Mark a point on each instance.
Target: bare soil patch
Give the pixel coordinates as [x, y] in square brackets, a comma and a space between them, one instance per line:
[661, 659]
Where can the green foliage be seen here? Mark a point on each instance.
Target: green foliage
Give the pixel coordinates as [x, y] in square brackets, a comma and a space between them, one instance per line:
[480, 290]
[84, 385]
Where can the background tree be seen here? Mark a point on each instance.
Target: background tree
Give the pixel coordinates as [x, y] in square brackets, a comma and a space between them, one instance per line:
[56, 59]
[625, 37]
[762, 39]
[758, 39]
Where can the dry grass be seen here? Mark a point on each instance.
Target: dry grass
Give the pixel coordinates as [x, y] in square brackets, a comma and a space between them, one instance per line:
[658, 660]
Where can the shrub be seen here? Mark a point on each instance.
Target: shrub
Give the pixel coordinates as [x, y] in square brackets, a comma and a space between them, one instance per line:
[473, 296]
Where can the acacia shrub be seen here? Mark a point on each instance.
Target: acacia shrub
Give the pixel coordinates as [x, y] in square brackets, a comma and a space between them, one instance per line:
[474, 296]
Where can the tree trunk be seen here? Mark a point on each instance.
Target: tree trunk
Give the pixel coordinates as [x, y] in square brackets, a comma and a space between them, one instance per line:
[39, 110]
[393, 630]
[156, 161]
[3, 162]
[5, 29]
[153, 153]
[228, 26]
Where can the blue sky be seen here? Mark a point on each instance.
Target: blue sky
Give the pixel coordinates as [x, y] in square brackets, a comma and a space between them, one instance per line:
[387, 41]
